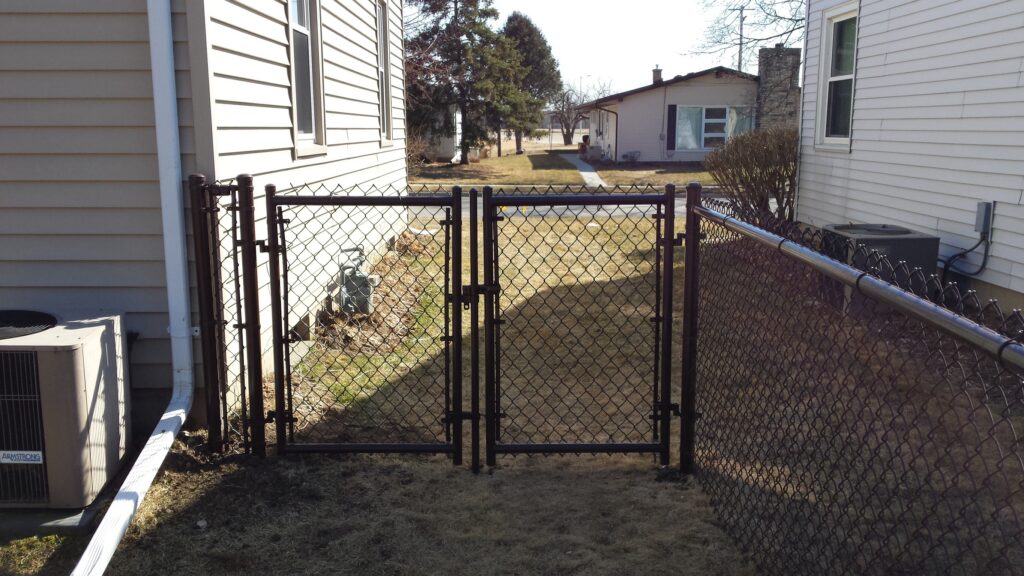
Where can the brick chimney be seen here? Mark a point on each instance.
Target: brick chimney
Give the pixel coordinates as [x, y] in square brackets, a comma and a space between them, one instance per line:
[657, 74]
[778, 90]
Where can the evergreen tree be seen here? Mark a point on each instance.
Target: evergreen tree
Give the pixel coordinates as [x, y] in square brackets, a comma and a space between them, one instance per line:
[456, 58]
[541, 81]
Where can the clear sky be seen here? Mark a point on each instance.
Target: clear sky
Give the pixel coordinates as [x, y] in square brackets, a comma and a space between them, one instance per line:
[620, 41]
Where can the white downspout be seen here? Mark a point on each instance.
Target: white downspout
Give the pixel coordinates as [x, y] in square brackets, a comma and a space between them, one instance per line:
[165, 103]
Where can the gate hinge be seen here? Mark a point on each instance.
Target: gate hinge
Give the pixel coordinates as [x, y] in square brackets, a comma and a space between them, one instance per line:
[262, 245]
[272, 417]
[221, 189]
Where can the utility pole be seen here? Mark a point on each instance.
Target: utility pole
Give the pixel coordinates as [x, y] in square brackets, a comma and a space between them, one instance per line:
[741, 10]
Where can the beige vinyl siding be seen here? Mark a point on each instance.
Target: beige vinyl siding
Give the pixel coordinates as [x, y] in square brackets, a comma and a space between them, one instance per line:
[251, 103]
[79, 198]
[643, 121]
[938, 125]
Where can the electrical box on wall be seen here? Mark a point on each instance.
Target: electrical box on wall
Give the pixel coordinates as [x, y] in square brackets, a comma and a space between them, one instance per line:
[983, 219]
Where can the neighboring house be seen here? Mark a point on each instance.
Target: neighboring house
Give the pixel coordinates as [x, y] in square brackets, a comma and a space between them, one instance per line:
[912, 114]
[297, 91]
[684, 118]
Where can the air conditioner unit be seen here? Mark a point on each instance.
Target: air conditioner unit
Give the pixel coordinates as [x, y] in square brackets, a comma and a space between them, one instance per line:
[63, 408]
[853, 244]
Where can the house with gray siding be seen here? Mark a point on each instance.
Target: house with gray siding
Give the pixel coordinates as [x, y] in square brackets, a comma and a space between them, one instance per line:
[291, 91]
[912, 114]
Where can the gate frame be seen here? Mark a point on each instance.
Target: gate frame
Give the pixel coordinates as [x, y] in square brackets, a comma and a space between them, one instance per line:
[662, 405]
[277, 254]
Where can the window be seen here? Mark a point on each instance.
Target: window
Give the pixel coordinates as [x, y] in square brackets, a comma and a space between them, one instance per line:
[696, 128]
[307, 86]
[839, 59]
[384, 70]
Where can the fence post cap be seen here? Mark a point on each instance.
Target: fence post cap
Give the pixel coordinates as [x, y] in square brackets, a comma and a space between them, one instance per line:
[693, 185]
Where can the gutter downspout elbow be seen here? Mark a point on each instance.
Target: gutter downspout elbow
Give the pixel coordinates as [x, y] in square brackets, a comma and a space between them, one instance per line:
[129, 497]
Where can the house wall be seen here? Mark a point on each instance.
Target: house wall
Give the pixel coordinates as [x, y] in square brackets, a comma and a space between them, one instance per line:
[642, 117]
[251, 115]
[938, 125]
[80, 218]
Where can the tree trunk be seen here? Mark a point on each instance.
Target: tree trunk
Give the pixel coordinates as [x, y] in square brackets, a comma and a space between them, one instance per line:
[567, 135]
[499, 139]
[519, 141]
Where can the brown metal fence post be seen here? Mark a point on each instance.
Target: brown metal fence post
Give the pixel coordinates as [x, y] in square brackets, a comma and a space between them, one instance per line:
[691, 286]
[665, 409]
[277, 319]
[209, 328]
[251, 322]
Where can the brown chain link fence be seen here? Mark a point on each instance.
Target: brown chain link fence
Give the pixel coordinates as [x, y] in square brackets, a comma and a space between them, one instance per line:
[841, 430]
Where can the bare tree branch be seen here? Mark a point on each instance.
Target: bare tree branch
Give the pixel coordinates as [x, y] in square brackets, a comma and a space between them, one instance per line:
[766, 22]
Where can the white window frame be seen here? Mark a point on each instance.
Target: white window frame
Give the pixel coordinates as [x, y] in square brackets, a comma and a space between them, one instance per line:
[705, 121]
[315, 143]
[828, 20]
[724, 135]
[382, 12]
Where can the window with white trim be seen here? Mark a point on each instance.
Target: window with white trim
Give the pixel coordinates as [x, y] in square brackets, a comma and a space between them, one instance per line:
[384, 104]
[307, 84]
[701, 128]
[838, 65]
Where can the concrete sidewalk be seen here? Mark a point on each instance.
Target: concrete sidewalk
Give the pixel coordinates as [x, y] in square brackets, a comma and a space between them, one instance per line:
[590, 176]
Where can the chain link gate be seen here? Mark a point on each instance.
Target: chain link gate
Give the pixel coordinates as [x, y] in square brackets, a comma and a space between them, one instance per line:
[367, 321]
[577, 292]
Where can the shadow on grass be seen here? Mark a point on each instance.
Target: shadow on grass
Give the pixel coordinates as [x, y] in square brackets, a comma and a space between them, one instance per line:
[549, 160]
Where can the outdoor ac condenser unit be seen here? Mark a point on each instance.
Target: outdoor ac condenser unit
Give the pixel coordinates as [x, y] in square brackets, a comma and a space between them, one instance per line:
[63, 408]
[895, 243]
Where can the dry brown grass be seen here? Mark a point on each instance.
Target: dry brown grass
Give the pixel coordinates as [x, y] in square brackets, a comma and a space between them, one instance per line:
[654, 173]
[417, 515]
[534, 167]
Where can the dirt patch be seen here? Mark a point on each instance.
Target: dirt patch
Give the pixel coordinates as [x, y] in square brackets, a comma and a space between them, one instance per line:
[396, 298]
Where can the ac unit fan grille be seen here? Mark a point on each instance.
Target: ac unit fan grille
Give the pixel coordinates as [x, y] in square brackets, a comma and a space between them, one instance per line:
[22, 466]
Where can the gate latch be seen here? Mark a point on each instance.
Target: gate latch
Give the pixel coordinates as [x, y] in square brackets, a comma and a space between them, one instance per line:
[673, 409]
[272, 417]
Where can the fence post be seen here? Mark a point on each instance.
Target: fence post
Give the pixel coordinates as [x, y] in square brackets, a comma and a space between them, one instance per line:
[665, 410]
[474, 340]
[201, 216]
[691, 287]
[490, 396]
[250, 294]
[456, 313]
[277, 318]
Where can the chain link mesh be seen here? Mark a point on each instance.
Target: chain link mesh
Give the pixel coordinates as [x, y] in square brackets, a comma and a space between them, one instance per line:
[838, 435]
[366, 309]
[578, 319]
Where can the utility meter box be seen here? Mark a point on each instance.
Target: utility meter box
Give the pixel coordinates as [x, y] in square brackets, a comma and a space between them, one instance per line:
[357, 291]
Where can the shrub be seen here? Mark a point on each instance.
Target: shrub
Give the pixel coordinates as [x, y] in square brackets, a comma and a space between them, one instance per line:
[416, 148]
[757, 170]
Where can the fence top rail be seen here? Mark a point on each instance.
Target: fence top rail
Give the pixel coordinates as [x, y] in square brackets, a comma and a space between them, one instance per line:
[579, 200]
[402, 201]
[1004, 348]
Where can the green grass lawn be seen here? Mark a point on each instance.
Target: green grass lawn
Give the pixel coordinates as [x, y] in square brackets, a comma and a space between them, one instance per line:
[533, 168]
